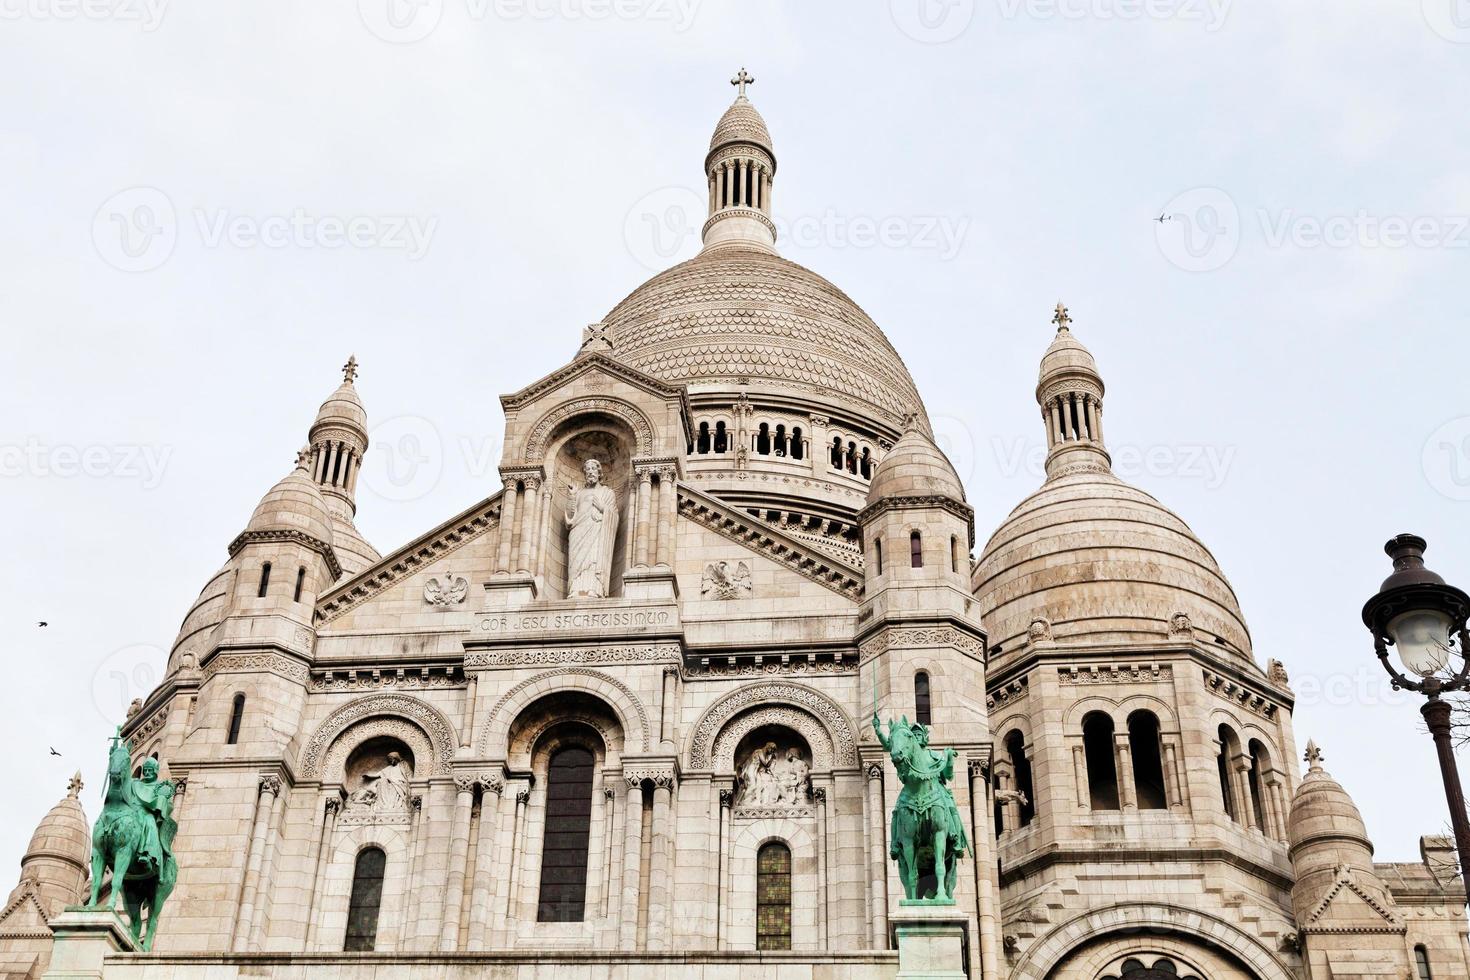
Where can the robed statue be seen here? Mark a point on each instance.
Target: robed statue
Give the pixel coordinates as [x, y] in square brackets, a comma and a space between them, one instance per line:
[386, 789]
[926, 815]
[134, 838]
[592, 530]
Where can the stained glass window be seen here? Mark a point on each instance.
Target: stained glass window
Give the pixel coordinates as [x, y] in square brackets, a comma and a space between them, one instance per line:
[773, 897]
[367, 897]
[564, 846]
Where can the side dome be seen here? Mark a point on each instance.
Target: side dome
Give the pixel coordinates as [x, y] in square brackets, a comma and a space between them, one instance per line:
[207, 612]
[915, 467]
[736, 316]
[1101, 561]
[59, 854]
[343, 407]
[293, 504]
[1322, 810]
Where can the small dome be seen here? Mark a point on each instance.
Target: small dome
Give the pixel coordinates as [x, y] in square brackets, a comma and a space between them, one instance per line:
[352, 549]
[343, 408]
[1066, 356]
[1323, 810]
[915, 467]
[63, 835]
[294, 504]
[207, 612]
[1099, 559]
[741, 123]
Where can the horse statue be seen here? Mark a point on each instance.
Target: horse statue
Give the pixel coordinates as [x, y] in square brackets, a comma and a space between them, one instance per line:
[133, 838]
[926, 814]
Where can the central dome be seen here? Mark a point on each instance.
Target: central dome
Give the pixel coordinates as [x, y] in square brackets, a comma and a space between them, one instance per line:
[733, 316]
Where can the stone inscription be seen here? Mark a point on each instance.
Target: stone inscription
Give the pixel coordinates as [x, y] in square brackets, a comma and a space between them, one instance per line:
[519, 622]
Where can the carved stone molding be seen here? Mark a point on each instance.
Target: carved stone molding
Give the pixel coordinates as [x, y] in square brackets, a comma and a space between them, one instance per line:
[662, 776]
[424, 678]
[1000, 695]
[409, 733]
[838, 730]
[1235, 692]
[438, 729]
[604, 686]
[1115, 674]
[769, 666]
[817, 738]
[272, 663]
[643, 431]
[612, 654]
[290, 537]
[774, 813]
[923, 636]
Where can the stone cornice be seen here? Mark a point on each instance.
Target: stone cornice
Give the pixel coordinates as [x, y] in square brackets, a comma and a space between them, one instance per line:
[886, 635]
[594, 361]
[937, 501]
[411, 558]
[1036, 861]
[819, 566]
[292, 537]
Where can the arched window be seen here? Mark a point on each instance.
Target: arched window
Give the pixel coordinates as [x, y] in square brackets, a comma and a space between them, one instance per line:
[1421, 962]
[1229, 745]
[722, 439]
[916, 549]
[865, 463]
[237, 715]
[1148, 765]
[763, 440]
[300, 582]
[701, 442]
[564, 846]
[852, 457]
[922, 712]
[878, 553]
[798, 448]
[1015, 744]
[837, 452]
[780, 446]
[367, 898]
[265, 580]
[1102, 769]
[1260, 763]
[773, 896]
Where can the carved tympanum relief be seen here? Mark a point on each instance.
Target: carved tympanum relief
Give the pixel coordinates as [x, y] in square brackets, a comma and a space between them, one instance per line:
[774, 772]
[722, 580]
[377, 781]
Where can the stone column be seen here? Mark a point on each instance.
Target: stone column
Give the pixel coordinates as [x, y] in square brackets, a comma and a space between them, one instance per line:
[459, 848]
[668, 515]
[819, 800]
[529, 513]
[505, 850]
[632, 859]
[266, 792]
[641, 531]
[740, 184]
[322, 859]
[543, 525]
[467, 723]
[507, 526]
[1079, 770]
[817, 456]
[1123, 753]
[1246, 809]
[491, 788]
[264, 893]
[877, 858]
[719, 188]
[666, 724]
[660, 863]
[722, 919]
[1175, 799]
[984, 864]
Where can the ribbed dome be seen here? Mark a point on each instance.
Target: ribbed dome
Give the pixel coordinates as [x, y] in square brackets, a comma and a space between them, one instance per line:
[1067, 356]
[353, 551]
[294, 504]
[733, 315]
[1323, 810]
[741, 123]
[344, 408]
[1101, 560]
[207, 612]
[915, 467]
[63, 833]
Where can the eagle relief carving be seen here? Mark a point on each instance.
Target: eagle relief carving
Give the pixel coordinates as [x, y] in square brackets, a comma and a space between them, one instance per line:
[721, 581]
[450, 592]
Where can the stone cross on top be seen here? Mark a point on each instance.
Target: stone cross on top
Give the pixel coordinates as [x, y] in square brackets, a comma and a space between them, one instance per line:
[741, 80]
[1060, 318]
[349, 370]
[1314, 755]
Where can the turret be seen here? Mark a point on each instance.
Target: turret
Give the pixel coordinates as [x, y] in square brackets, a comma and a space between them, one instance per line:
[285, 556]
[55, 863]
[1070, 393]
[740, 169]
[338, 441]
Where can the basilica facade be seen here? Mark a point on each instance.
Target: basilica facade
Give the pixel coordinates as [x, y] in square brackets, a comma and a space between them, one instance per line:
[617, 717]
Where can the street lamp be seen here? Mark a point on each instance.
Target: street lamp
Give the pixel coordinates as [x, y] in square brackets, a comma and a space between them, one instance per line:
[1420, 616]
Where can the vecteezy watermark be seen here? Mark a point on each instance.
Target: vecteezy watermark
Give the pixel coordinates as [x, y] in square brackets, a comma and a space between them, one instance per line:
[123, 677]
[1446, 459]
[137, 230]
[405, 458]
[1364, 230]
[408, 21]
[932, 21]
[666, 222]
[956, 439]
[1199, 230]
[33, 458]
[1210, 13]
[1450, 19]
[1209, 465]
[147, 14]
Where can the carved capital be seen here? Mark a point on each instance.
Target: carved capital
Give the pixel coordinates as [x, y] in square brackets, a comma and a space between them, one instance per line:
[874, 770]
[523, 797]
[465, 784]
[819, 795]
[492, 782]
[270, 784]
[416, 804]
[181, 783]
[334, 805]
[727, 799]
[978, 769]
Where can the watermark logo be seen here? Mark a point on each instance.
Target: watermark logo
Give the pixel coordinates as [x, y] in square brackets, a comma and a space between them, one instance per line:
[405, 458]
[1210, 13]
[1364, 230]
[147, 14]
[1450, 19]
[1199, 230]
[662, 224]
[33, 458]
[956, 439]
[135, 230]
[932, 21]
[400, 21]
[124, 676]
[1209, 465]
[1446, 459]
[410, 21]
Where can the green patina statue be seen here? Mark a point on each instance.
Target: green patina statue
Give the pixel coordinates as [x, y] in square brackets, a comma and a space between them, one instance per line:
[134, 839]
[926, 817]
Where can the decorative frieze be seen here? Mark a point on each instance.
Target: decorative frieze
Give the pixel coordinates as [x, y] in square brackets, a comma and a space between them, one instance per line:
[1010, 692]
[609, 655]
[1115, 673]
[817, 704]
[255, 663]
[374, 679]
[1237, 693]
[778, 665]
[922, 637]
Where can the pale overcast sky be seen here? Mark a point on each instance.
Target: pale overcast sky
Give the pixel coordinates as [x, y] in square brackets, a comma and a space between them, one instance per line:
[1286, 354]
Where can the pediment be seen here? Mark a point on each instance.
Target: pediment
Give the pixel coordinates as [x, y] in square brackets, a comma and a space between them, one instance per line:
[1349, 907]
[25, 917]
[593, 364]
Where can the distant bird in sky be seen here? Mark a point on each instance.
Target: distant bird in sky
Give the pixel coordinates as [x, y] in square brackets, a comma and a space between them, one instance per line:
[53, 751]
[43, 624]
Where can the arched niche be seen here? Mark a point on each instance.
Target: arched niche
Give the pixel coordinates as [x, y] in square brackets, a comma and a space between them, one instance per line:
[422, 727]
[818, 718]
[773, 767]
[608, 439]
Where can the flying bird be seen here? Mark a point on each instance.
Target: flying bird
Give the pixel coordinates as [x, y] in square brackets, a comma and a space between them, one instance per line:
[53, 751]
[43, 624]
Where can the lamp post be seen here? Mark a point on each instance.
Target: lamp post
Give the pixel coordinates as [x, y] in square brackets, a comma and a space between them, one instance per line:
[1420, 616]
